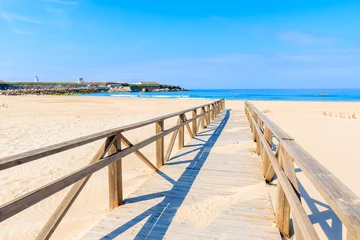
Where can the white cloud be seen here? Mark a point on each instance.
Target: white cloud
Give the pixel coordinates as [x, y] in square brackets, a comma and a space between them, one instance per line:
[19, 31]
[11, 17]
[305, 38]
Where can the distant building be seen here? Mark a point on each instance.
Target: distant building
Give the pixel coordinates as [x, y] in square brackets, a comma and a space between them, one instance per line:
[147, 83]
[80, 80]
[1, 81]
[36, 79]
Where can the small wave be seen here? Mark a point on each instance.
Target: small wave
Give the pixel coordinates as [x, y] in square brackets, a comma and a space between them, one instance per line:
[168, 96]
[123, 96]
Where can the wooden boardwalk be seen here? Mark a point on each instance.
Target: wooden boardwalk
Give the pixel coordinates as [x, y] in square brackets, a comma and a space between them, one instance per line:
[212, 189]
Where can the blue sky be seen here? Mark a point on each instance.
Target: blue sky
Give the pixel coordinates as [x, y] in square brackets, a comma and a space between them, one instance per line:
[196, 44]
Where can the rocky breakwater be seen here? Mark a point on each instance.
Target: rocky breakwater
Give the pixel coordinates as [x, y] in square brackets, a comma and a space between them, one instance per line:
[120, 89]
[155, 88]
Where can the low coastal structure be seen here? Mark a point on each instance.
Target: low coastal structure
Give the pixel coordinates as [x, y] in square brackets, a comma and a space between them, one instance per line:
[81, 87]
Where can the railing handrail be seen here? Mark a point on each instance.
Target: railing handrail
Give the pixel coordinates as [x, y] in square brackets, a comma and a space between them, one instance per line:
[21, 158]
[344, 202]
[275, 129]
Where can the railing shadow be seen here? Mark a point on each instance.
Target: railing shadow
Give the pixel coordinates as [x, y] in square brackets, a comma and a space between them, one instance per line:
[160, 216]
[333, 229]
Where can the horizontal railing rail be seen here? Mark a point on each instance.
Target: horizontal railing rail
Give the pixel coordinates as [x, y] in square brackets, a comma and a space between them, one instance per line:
[32, 155]
[340, 198]
[109, 155]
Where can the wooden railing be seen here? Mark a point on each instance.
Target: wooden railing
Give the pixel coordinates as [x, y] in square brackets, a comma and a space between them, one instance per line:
[110, 154]
[279, 159]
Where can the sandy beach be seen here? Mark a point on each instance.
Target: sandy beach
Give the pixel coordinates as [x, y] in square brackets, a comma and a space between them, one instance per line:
[30, 122]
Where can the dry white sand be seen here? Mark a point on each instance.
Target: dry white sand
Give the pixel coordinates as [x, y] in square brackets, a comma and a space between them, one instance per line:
[29, 122]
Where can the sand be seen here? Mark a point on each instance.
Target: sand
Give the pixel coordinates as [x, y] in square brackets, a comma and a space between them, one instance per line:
[29, 122]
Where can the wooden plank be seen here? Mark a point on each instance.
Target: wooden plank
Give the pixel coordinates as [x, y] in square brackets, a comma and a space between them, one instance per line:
[71, 196]
[172, 142]
[159, 128]
[188, 127]
[203, 122]
[344, 202]
[297, 209]
[194, 125]
[289, 170]
[32, 155]
[282, 213]
[151, 213]
[266, 161]
[208, 115]
[181, 134]
[115, 176]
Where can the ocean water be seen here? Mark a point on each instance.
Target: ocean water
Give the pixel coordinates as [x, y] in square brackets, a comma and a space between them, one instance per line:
[329, 95]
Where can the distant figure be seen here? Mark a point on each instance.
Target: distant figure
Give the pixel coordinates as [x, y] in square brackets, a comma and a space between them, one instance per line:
[354, 116]
[138, 95]
[36, 79]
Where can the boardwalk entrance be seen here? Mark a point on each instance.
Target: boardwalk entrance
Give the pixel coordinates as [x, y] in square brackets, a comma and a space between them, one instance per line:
[212, 189]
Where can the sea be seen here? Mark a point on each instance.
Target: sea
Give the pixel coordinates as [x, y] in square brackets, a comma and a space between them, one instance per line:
[319, 95]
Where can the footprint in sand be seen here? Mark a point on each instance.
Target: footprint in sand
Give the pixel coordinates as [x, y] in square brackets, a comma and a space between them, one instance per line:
[235, 147]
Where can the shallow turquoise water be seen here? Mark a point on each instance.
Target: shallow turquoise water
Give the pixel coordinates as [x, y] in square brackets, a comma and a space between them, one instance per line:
[250, 94]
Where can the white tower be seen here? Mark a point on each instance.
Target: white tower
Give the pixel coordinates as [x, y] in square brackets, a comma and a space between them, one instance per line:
[36, 79]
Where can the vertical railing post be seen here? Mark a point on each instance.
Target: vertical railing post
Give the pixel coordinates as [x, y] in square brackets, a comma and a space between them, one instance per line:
[194, 125]
[289, 169]
[282, 215]
[181, 133]
[258, 142]
[213, 112]
[208, 115]
[265, 157]
[203, 118]
[159, 127]
[216, 109]
[115, 177]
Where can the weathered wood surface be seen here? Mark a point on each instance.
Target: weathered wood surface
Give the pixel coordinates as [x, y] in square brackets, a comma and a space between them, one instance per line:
[285, 188]
[275, 129]
[32, 155]
[224, 192]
